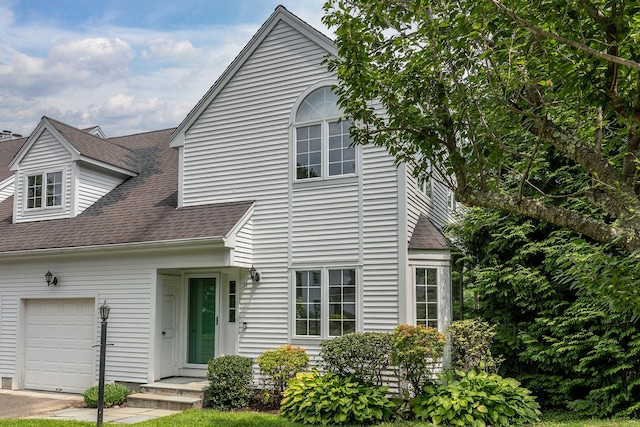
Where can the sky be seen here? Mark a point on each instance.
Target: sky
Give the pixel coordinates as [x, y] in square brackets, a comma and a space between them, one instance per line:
[128, 66]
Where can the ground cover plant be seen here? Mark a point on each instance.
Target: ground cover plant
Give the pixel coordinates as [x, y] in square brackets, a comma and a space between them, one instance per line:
[114, 394]
[330, 399]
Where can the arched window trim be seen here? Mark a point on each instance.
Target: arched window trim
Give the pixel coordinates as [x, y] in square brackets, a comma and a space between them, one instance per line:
[327, 162]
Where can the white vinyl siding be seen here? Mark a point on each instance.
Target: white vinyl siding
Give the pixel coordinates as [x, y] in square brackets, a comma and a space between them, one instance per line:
[243, 252]
[92, 185]
[435, 206]
[238, 149]
[126, 282]
[46, 155]
[381, 241]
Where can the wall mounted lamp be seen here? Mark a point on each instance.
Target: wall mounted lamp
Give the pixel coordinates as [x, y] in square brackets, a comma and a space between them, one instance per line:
[255, 276]
[50, 279]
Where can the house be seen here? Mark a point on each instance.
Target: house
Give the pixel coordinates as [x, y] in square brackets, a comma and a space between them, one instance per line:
[252, 224]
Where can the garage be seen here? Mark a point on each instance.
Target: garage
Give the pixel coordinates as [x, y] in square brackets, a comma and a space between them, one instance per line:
[59, 353]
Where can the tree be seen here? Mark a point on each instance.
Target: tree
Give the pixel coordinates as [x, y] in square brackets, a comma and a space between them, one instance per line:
[486, 91]
[557, 335]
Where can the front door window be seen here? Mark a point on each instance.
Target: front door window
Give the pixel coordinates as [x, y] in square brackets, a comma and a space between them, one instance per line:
[202, 320]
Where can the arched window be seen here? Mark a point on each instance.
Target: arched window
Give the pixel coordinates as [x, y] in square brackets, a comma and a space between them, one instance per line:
[322, 142]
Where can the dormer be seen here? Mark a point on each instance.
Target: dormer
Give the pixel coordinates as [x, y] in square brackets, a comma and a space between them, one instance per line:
[60, 171]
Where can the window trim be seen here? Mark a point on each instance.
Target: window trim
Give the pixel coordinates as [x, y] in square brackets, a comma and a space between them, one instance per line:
[324, 304]
[442, 270]
[294, 125]
[44, 195]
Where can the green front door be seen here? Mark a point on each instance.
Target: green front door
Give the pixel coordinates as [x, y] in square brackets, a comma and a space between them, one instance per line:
[202, 320]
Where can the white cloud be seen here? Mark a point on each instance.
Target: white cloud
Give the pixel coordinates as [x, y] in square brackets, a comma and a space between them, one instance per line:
[124, 79]
[171, 50]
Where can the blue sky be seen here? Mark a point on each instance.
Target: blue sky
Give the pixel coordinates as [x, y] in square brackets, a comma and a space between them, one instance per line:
[126, 65]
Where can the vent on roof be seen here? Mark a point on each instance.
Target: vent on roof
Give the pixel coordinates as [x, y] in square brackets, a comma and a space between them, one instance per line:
[7, 134]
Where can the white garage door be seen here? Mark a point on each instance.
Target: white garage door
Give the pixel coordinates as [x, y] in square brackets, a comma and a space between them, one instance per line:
[59, 345]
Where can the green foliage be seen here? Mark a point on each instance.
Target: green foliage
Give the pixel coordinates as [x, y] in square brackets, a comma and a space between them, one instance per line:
[485, 90]
[477, 400]
[230, 379]
[548, 291]
[330, 399]
[362, 355]
[114, 394]
[280, 365]
[471, 346]
[415, 350]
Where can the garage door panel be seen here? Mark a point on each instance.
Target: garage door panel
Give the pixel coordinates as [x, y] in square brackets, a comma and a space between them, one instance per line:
[60, 336]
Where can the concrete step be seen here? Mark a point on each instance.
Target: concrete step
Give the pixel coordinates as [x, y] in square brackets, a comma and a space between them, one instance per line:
[194, 389]
[159, 401]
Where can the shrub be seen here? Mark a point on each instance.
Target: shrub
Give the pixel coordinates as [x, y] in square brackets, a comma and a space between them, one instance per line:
[471, 346]
[280, 365]
[230, 380]
[415, 350]
[477, 399]
[362, 355]
[331, 399]
[114, 394]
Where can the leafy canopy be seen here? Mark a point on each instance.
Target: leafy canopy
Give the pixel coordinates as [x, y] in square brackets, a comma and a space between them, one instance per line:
[486, 91]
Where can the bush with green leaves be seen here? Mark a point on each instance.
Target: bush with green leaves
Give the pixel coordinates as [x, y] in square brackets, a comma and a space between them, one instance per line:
[114, 394]
[362, 355]
[333, 400]
[278, 366]
[230, 379]
[416, 350]
[547, 291]
[477, 399]
[471, 346]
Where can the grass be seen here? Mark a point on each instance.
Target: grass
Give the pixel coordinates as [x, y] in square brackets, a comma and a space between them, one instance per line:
[196, 418]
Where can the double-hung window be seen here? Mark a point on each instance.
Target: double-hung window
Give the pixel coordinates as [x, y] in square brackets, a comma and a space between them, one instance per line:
[426, 296]
[44, 190]
[325, 302]
[323, 145]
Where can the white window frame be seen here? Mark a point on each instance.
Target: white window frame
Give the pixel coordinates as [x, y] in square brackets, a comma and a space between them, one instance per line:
[324, 136]
[437, 302]
[324, 299]
[43, 196]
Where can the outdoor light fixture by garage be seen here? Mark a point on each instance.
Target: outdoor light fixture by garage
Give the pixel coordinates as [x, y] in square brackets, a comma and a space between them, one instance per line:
[255, 276]
[50, 279]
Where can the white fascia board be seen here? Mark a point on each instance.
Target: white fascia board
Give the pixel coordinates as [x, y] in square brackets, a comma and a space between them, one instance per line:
[159, 245]
[107, 166]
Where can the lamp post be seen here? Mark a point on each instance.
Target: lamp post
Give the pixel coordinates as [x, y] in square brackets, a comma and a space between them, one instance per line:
[104, 315]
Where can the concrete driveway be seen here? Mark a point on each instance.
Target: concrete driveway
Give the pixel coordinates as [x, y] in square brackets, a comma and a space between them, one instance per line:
[22, 404]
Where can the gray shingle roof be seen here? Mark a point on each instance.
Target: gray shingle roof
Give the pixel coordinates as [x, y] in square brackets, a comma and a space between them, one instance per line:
[8, 150]
[96, 148]
[427, 236]
[141, 209]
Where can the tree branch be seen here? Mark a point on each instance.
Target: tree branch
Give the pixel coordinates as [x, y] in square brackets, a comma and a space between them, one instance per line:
[625, 238]
[586, 49]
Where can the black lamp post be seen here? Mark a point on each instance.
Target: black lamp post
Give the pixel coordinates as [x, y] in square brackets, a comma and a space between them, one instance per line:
[104, 315]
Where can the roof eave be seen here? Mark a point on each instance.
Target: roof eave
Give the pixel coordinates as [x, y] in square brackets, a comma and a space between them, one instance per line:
[192, 243]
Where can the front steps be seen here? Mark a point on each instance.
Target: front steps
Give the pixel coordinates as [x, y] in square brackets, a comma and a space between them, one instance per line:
[176, 394]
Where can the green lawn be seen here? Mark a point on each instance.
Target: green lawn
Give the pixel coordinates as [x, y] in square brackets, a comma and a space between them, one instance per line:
[195, 418]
